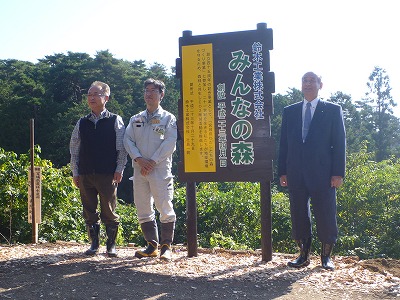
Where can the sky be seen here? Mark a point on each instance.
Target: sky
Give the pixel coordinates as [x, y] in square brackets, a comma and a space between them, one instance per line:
[341, 40]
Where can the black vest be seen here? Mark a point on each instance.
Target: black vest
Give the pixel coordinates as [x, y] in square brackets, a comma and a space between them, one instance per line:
[98, 153]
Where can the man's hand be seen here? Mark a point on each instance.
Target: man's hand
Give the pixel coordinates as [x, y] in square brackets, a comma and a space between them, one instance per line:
[117, 177]
[75, 180]
[283, 180]
[147, 165]
[336, 181]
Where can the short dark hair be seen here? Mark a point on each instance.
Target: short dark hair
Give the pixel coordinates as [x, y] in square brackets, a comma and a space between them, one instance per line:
[157, 83]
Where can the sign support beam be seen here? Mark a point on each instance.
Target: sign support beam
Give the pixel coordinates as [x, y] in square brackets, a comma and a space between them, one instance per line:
[32, 156]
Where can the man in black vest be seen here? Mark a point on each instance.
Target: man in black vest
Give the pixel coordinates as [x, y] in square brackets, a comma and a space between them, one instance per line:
[98, 159]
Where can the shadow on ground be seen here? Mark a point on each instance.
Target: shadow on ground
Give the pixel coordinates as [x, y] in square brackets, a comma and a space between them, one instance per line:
[66, 273]
[34, 278]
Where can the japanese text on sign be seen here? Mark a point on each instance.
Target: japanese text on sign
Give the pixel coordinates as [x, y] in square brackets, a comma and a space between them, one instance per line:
[198, 109]
[241, 152]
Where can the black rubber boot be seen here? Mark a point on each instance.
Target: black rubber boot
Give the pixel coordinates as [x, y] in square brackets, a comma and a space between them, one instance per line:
[94, 237]
[167, 236]
[304, 258]
[326, 253]
[112, 231]
[150, 232]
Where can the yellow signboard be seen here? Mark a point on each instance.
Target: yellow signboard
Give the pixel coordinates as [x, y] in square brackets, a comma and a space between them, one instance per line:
[198, 108]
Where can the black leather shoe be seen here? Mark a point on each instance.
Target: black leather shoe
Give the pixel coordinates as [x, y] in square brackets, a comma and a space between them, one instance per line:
[326, 253]
[327, 263]
[301, 261]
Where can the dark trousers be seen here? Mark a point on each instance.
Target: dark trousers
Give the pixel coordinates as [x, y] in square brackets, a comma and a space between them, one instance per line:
[95, 187]
[323, 205]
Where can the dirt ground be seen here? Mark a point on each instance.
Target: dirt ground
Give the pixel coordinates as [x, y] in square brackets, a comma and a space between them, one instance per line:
[60, 271]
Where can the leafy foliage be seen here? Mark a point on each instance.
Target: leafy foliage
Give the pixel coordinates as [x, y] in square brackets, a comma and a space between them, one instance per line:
[228, 213]
[61, 209]
[61, 206]
[369, 207]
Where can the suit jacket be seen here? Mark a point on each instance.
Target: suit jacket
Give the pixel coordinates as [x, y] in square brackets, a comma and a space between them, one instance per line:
[322, 155]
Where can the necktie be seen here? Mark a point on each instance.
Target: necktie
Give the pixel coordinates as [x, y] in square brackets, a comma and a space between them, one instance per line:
[307, 120]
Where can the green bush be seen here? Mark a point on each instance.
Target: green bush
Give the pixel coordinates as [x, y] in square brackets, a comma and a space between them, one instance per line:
[369, 207]
[61, 208]
[228, 213]
[129, 225]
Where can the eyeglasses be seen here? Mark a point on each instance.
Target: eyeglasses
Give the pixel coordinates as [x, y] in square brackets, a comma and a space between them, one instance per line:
[152, 91]
[95, 95]
[310, 81]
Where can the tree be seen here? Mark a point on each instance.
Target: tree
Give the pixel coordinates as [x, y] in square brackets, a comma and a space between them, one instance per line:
[22, 93]
[377, 112]
[279, 103]
[356, 131]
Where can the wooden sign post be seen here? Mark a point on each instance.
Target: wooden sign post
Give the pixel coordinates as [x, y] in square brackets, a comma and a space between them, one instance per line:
[34, 189]
[224, 117]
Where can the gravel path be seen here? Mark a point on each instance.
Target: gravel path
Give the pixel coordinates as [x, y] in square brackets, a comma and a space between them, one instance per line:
[60, 271]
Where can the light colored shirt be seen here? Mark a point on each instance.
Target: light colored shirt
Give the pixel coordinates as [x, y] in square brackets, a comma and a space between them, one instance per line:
[152, 137]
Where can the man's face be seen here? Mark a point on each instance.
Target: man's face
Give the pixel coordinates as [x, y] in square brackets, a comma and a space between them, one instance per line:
[310, 86]
[96, 99]
[152, 97]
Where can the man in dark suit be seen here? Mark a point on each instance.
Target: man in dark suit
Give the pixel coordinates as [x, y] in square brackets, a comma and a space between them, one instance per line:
[312, 159]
